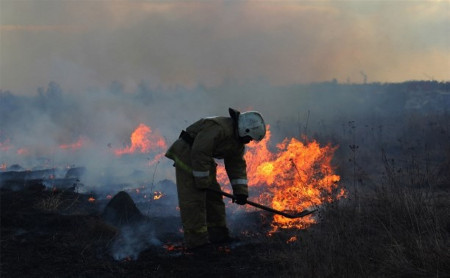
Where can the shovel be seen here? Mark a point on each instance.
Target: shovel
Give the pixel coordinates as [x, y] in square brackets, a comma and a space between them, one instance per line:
[283, 213]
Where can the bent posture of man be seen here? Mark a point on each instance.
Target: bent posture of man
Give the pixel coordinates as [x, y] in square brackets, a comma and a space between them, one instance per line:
[203, 211]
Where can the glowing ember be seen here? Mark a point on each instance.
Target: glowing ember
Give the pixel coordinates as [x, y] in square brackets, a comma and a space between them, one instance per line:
[144, 141]
[169, 247]
[296, 177]
[292, 239]
[173, 247]
[157, 195]
[91, 199]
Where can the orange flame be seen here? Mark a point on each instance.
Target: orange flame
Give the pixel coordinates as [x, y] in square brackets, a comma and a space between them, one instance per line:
[74, 146]
[143, 140]
[157, 195]
[296, 177]
[292, 239]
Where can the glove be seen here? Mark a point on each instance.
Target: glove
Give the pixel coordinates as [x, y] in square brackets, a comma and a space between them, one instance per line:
[240, 199]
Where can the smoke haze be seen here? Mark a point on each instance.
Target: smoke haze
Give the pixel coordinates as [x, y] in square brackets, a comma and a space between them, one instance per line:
[55, 128]
[171, 43]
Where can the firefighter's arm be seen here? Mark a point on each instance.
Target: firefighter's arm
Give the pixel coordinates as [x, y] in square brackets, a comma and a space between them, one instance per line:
[236, 168]
[202, 155]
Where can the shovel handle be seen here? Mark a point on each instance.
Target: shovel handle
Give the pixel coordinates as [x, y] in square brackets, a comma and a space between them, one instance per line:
[301, 214]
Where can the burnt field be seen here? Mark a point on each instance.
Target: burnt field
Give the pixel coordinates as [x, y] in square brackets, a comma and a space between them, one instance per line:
[395, 231]
[391, 150]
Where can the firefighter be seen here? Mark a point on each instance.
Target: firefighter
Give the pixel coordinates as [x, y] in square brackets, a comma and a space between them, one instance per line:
[203, 211]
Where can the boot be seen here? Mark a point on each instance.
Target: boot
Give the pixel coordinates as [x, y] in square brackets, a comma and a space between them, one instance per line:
[219, 235]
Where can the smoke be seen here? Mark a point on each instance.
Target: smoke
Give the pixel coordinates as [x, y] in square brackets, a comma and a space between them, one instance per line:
[58, 129]
[175, 62]
[133, 240]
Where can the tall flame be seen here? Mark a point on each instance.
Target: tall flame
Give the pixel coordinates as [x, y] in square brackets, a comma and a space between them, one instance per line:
[143, 140]
[296, 177]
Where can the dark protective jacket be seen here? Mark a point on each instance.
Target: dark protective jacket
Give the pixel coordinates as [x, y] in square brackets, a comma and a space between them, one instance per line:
[213, 137]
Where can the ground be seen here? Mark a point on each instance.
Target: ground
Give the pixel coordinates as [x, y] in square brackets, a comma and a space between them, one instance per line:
[46, 233]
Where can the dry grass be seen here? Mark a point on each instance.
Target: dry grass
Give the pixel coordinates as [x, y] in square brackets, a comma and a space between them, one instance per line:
[50, 203]
[395, 228]
[394, 233]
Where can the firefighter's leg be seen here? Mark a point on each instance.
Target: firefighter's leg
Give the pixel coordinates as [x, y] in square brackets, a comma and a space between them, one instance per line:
[192, 209]
[215, 213]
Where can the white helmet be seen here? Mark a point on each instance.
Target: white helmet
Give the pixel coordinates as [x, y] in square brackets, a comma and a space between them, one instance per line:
[251, 124]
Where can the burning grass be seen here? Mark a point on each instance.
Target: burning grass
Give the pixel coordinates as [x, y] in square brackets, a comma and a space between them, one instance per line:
[294, 177]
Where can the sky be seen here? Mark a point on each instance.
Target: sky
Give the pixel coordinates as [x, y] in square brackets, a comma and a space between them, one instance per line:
[91, 43]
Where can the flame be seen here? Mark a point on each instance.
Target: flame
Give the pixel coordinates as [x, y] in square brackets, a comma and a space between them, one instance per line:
[170, 247]
[296, 177]
[3, 166]
[74, 146]
[292, 239]
[143, 140]
[91, 199]
[157, 195]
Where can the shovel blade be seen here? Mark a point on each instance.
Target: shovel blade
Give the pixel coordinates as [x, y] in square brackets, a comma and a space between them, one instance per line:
[291, 214]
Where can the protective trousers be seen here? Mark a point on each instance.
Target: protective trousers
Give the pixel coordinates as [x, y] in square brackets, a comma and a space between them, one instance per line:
[202, 211]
